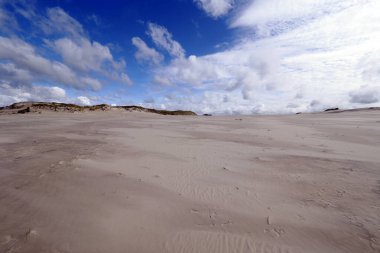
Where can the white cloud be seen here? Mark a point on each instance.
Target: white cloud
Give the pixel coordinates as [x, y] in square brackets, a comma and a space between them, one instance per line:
[58, 21]
[328, 56]
[285, 14]
[9, 72]
[82, 100]
[238, 68]
[91, 82]
[215, 8]
[10, 94]
[24, 56]
[83, 55]
[164, 39]
[49, 93]
[23, 63]
[145, 53]
[163, 81]
[290, 56]
[214, 102]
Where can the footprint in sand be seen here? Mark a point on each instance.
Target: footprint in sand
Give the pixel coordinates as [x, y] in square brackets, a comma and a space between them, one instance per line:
[275, 231]
[269, 220]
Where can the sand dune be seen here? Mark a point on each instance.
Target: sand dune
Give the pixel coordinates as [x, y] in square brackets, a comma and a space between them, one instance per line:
[137, 182]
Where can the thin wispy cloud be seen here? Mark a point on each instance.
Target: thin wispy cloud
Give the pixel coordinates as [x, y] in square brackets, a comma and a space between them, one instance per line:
[163, 39]
[145, 53]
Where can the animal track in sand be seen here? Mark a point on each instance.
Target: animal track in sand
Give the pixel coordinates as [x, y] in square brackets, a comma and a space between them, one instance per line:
[319, 202]
[11, 243]
[209, 217]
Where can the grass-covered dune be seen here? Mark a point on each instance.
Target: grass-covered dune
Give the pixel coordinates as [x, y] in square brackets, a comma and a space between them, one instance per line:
[27, 107]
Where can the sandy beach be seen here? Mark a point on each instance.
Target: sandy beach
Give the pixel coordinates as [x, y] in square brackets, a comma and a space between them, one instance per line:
[141, 182]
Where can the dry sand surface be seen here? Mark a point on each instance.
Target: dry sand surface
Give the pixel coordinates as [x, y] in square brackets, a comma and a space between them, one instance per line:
[139, 182]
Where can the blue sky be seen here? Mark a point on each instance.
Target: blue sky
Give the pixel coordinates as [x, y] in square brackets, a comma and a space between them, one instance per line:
[210, 56]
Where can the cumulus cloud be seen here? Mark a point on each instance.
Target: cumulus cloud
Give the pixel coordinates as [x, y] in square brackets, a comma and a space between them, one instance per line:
[95, 84]
[24, 56]
[240, 68]
[145, 53]
[10, 94]
[50, 93]
[319, 52]
[163, 81]
[164, 40]
[84, 64]
[290, 56]
[82, 100]
[215, 8]
[78, 51]
[214, 102]
[9, 72]
[83, 55]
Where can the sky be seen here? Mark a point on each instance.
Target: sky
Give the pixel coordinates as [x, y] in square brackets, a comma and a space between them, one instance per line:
[209, 56]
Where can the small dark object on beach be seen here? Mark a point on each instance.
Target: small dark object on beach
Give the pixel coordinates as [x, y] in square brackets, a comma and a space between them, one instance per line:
[332, 109]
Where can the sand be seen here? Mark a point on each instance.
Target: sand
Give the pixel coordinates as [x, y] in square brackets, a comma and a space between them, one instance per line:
[139, 182]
